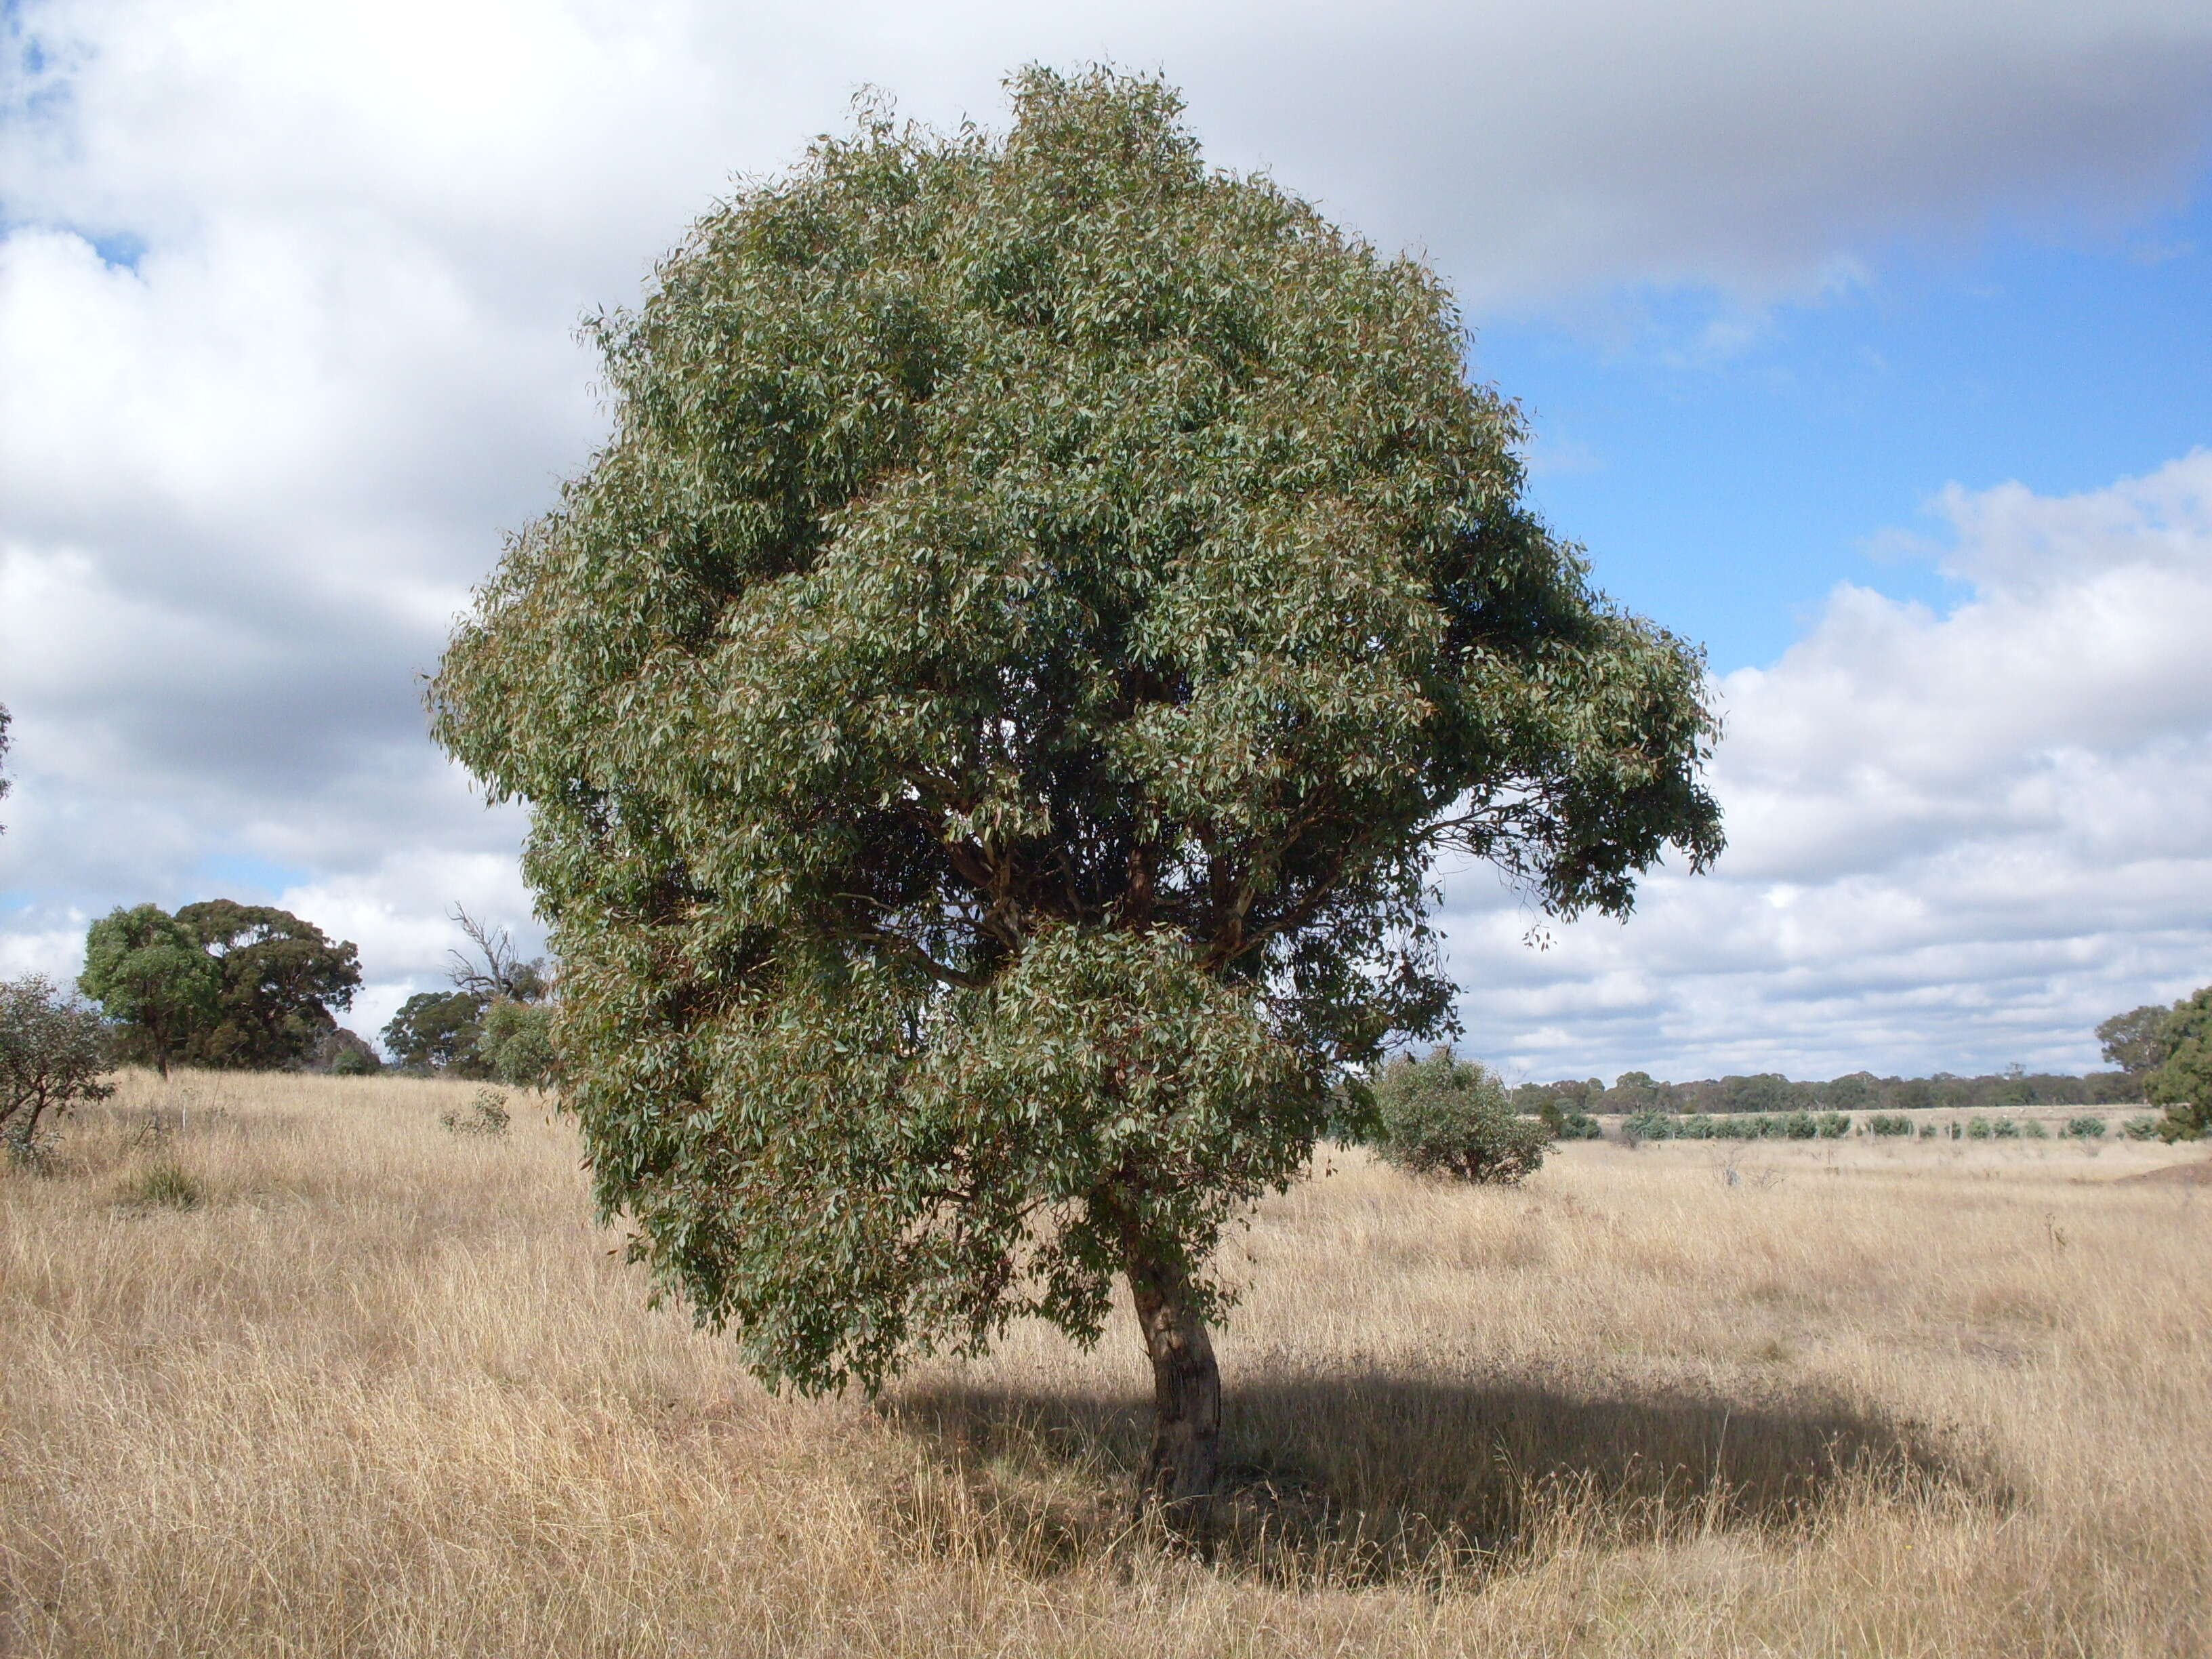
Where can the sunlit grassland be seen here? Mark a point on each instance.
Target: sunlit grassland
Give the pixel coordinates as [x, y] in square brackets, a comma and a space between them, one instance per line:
[359, 1385]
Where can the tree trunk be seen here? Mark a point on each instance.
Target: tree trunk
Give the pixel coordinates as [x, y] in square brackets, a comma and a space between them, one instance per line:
[1178, 1480]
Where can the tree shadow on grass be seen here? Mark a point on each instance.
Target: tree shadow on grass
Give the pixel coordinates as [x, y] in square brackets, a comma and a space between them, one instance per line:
[1365, 1477]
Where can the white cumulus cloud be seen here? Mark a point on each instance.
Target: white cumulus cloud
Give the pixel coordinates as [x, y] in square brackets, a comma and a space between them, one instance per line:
[1956, 841]
[288, 295]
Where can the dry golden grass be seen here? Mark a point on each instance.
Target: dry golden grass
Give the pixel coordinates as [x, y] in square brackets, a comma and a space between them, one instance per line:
[383, 1390]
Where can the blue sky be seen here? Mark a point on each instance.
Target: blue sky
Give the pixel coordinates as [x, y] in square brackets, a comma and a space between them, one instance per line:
[1725, 485]
[1865, 344]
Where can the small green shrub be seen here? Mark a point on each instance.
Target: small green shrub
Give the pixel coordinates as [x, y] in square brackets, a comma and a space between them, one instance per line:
[2141, 1129]
[1833, 1126]
[1928, 1132]
[487, 1115]
[1443, 1116]
[1889, 1124]
[2006, 1128]
[2086, 1128]
[2034, 1130]
[354, 1062]
[163, 1184]
[1978, 1128]
[52, 1052]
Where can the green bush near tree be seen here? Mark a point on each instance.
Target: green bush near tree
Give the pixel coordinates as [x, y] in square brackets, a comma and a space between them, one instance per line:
[1444, 1116]
[52, 1054]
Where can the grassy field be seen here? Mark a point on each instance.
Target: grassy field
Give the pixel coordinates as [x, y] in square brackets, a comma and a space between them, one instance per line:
[289, 1368]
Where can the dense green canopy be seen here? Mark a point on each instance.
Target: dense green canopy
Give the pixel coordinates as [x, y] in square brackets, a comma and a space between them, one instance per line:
[989, 711]
[149, 975]
[2182, 1081]
[282, 975]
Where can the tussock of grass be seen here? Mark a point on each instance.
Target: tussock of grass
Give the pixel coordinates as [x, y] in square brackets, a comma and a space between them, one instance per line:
[394, 1395]
[161, 1184]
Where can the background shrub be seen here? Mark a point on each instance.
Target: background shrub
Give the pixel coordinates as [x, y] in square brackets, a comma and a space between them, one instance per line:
[2086, 1128]
[487, 1115]
[1451, 1117]
[52, 1052]
[1889, 1124]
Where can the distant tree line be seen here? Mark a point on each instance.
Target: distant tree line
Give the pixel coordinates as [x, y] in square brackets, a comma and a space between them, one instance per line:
[1771, 1093]
[2161, 1055]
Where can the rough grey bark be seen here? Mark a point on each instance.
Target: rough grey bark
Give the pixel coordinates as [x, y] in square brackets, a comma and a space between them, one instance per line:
[1180, 1471]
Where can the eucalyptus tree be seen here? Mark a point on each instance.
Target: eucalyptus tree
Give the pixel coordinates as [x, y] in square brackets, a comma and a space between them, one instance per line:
[147, 973]
[282, 975]
[987, 715]
[2182, 1081]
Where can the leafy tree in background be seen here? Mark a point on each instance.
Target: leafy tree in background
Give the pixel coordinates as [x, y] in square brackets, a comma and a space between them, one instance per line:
[987, 716]
[149, 975]
[1452, 1117]
[52, 1054]
[281, 977]
[1632, 1091]
[2183, 1082]
[344, 1053]
[2136, 1042]
[1852, 1091]
[1762, 1092]
[439, 1031]
[518, 1043]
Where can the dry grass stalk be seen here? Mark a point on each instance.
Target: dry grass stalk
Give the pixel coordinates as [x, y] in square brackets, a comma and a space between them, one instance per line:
[384, 1391]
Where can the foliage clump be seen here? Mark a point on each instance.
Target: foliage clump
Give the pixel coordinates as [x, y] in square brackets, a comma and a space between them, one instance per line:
[152, 979]
[1451, 1117]
[2138, 1041]
[53, 1053]
[487, 1115]
[496, 1022]
[281, 975]
[2182, 1081]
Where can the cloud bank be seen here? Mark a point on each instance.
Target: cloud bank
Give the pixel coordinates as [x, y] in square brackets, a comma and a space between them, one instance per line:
[1956, 841]
[287, 295]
